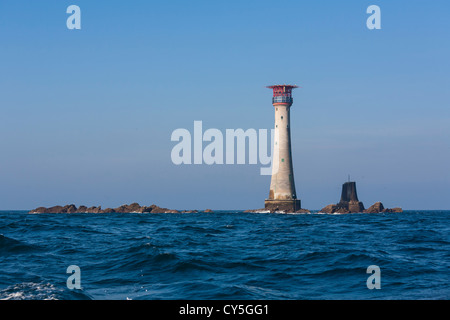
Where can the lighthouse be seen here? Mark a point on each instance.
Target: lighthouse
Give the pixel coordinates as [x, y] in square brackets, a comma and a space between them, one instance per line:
[282, 195]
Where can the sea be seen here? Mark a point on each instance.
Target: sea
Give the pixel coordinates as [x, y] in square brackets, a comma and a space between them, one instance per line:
[225, 255]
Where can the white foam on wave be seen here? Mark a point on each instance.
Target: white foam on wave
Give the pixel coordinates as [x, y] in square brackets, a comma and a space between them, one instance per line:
[30, 291]
[296, 213]
[333, 213]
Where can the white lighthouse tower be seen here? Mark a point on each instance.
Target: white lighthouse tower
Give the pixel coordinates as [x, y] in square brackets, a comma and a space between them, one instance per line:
[282, 195]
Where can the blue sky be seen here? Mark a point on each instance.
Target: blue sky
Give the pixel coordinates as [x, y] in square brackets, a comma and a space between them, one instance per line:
[86, 115]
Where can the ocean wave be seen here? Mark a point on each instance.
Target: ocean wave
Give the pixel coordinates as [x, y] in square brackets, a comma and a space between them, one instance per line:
[206, 230]
[224, 256]
[11, 246]
[191, 265]
[40, 291]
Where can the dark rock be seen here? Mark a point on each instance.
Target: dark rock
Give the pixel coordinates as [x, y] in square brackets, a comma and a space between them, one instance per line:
[155, 209]
[375, 208]
[55, 209]
[139, 210]
[342, 210]
[94, 210]
[303, 211]
[121, 209]
[71, 208]
[145, 209]
[378, 207]
[82, 209]
[134, 207]
[331, 208]
[393, 210]
[208, 211]
[39, 210]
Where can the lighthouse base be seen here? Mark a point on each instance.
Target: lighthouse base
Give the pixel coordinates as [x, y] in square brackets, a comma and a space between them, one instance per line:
[282, 205]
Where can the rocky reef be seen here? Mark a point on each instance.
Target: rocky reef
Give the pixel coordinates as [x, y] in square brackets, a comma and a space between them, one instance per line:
[277, 210]
[378, 207]
[349, 203]
[132, 208]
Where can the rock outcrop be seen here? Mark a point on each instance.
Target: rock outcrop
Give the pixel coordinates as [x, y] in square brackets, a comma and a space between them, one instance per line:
[377, 207]
[349, 203]
[265, 210]
[56, 209]
[394, 210]
[132, 208]
[331, 208]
